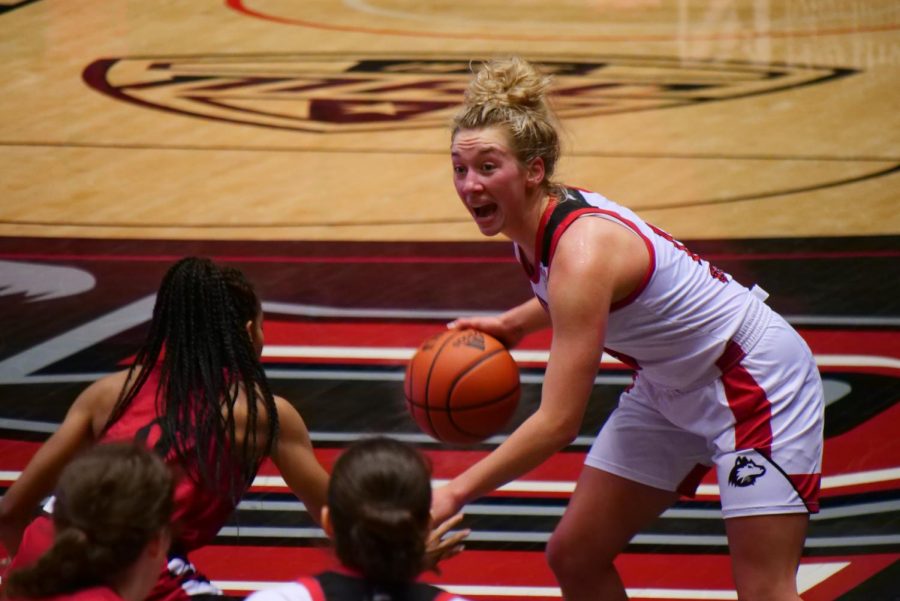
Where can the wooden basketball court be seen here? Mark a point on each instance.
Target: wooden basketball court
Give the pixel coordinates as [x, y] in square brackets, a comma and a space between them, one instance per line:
[307, 143]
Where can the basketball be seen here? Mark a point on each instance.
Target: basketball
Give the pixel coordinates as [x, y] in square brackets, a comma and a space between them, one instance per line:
[462, 386]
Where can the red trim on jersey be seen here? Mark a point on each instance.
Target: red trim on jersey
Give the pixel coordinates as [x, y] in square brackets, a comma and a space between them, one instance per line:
[445, 596]
[808, 486]
[565, 223]
[313, 587]
[688, 486]
[563, 226]
[520, 257]
[748, 402]
[651, 268]
[534, 271]
[628, 360]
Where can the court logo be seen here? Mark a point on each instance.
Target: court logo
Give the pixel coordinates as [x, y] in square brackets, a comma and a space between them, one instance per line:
[329, 93]
[745, 472]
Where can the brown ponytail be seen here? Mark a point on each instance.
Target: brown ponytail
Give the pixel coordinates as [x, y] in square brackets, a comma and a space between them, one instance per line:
[110, 502]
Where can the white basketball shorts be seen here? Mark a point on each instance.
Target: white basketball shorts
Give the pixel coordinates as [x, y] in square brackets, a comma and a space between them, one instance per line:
[760, 424]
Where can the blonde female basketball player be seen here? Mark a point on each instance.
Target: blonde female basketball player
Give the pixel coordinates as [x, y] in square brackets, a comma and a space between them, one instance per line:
[722, 381]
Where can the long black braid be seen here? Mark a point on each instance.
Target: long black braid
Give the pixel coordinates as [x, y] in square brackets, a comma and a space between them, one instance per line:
[205, 356]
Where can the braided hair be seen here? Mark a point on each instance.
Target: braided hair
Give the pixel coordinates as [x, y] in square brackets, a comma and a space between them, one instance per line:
[110, 502]
[379, 500]
[206, 359]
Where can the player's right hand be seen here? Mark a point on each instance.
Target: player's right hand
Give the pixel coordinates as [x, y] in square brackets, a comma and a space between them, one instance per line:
[492, 325]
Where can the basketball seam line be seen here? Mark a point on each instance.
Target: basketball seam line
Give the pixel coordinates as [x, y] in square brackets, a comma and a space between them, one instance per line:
[456, 380]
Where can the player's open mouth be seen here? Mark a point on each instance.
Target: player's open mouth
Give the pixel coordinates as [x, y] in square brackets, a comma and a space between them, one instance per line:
[484, 211]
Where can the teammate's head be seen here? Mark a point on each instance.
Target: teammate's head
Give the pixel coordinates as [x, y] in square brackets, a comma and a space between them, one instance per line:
[205, 338]
[111, 516]
[378, 512]
[511, 94]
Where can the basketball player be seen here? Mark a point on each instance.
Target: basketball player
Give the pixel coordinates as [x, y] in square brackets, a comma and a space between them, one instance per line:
[111, 516]
[378, 519]
[196, 394]
[721, 380]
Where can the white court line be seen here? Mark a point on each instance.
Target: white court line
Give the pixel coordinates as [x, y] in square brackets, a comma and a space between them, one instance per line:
[521, 356]
[541, 537]
[568, 486]
[685, 513]
[76, 339]
[388, 353]
[808, 576]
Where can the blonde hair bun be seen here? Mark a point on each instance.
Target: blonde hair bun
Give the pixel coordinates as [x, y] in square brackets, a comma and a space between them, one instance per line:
[510, 82]
[512, 94]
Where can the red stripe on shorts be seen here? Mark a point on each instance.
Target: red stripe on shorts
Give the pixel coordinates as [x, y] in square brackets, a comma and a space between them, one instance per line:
[808, 486]
[748, 402]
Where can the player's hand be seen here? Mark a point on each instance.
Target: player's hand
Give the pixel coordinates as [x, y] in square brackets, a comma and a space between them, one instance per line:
[443, 544]
[492, 325]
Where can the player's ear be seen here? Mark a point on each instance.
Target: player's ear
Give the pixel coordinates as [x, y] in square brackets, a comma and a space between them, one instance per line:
[325, 518]
[535, 172]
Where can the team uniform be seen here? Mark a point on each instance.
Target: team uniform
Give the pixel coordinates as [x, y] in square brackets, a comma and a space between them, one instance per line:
[199, 512]
[720, 378]
[347, 586]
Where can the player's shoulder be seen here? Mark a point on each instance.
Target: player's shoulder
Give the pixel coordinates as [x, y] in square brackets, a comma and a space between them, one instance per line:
[589, 240]
[286, 410]
[115, 382]
[104, 391]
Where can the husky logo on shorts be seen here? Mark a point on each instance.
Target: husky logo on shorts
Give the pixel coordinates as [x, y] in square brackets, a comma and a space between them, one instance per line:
[745, 472]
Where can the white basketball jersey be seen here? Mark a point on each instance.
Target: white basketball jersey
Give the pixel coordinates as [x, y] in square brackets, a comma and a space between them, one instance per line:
[675, 325]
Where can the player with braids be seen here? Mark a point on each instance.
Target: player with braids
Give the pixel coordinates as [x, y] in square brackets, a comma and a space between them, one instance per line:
[112, 510]
[199, 339]
[196, 394]
[722, 381]
[378, 519]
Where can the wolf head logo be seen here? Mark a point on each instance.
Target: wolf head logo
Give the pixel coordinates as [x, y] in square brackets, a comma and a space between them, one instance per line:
[745, 472]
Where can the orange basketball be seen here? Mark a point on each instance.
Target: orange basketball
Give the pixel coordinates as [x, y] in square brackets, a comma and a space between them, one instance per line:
[462, 386]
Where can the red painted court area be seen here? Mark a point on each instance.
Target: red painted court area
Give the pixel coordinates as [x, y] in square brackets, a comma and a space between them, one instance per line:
[340, 329]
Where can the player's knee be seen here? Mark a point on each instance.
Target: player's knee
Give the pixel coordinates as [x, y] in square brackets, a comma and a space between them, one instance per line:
[569, 558]
[559, 553]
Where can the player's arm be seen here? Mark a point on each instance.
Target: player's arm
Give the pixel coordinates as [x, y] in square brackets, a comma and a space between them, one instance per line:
[582, 286]
[296, 462]
[77, 431]
[511, 326]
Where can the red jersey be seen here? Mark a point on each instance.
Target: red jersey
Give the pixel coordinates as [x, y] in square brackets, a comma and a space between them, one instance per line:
[199, 511]
[96, 593]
